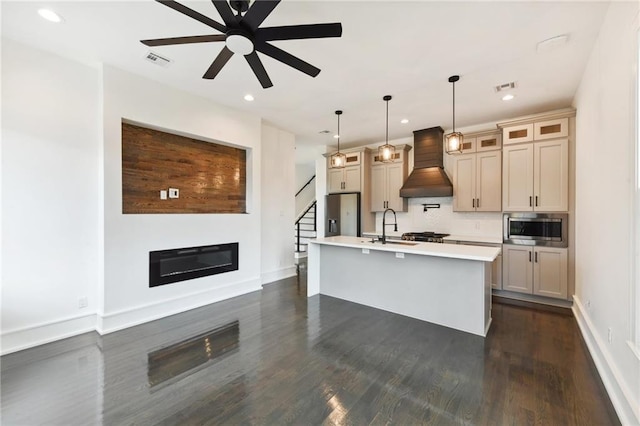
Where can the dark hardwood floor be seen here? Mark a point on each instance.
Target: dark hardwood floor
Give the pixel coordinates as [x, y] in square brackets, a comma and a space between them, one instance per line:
[275, 357]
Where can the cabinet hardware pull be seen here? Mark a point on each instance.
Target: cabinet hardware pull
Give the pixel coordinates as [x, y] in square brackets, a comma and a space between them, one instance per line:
[473, 202]
[530, 201]
[536, 201]
[536, 257]
[477, 202]
[529, 256]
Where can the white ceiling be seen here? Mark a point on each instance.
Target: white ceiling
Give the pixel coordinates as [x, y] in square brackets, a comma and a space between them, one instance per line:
[407, 49]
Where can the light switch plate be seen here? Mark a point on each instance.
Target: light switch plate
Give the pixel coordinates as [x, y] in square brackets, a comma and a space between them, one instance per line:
[174, 193]
[163, 194]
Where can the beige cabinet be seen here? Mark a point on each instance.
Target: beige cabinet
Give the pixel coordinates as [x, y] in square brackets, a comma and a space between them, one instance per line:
[536, 176]
[535, 270]
[386, 181]
[485, 141]
[345, 179]
[477, 182]
[517, 134]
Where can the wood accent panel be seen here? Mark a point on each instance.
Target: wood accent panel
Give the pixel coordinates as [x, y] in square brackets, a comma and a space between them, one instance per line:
[212, 178]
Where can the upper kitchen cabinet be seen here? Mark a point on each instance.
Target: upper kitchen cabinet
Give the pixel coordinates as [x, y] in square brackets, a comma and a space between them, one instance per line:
[485, 141]
[348, 178]
[477, 178]
[536, 177]
[387, 179]
[477, 182]
[536, 131]
[535, 174]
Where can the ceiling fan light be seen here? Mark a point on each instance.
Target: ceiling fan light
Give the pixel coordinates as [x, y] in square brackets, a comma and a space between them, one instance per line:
[453, 142]
[240, 44]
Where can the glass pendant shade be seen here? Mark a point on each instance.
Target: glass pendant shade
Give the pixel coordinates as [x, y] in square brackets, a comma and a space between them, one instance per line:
[338, 160]
[387, 152]
[453, 142]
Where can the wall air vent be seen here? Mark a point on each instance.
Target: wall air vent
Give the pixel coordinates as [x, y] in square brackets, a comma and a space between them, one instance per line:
[505, 86]
[157, 59]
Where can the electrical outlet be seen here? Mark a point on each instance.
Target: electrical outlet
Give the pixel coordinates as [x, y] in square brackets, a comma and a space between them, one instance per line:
[174, 193]
[83, 302]
[400, 255]
[163, 194]
[365, 251]
[609, 335]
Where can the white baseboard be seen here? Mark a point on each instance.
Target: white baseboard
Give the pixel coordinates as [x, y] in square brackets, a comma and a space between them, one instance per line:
[611, 377]
[115, 321]
[28, 337]
[278, 274]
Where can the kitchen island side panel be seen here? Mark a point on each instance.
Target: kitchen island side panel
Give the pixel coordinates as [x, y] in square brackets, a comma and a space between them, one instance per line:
[454, 293]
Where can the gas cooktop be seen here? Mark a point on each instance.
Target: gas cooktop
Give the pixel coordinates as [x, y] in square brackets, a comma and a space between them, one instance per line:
[429, 237]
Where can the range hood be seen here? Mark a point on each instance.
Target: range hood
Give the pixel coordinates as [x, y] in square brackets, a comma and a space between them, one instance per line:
[428, 178]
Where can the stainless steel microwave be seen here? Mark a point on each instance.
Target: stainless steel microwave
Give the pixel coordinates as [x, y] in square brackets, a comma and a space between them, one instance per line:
[536, 229]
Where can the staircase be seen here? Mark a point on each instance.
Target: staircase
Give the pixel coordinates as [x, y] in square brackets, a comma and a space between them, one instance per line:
[305, 229]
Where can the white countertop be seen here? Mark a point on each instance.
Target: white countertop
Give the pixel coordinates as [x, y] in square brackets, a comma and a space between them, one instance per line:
[454, 251]
[474, 239]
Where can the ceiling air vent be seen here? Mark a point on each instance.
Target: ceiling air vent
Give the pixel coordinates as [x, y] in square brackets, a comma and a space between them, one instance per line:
[157, 59]
[505, 86]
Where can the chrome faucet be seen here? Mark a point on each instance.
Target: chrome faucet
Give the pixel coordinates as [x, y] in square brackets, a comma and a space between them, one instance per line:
[383, 239]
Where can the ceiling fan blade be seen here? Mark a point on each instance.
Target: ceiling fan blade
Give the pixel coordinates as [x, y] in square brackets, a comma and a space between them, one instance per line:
[193, 14]
[225, 12]
[220, 61]
[258, 12]
[296, 32]
[183, 40]
[258, 69]
[287, 58]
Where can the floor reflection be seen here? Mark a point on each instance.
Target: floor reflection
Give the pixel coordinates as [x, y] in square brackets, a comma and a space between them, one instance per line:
[299, 360]
[181, 359]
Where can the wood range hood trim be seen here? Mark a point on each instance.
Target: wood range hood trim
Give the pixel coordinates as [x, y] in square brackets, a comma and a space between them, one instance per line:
[428, 178]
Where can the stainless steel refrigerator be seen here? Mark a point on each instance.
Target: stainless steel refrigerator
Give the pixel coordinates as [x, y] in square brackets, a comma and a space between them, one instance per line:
[342, 215]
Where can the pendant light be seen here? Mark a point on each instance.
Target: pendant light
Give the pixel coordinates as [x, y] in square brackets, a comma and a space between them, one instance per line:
[386, 152]
[453, 140]
[338, 159]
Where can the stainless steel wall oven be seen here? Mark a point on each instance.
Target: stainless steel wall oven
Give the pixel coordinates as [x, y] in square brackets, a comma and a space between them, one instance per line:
[536, 229]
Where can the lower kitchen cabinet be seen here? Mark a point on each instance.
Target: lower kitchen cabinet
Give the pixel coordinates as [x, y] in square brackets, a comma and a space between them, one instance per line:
[535, 270]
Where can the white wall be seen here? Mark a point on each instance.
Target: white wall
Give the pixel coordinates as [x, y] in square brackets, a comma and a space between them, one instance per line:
[278, 204]
[128, 238]
[605, 135]
[50, 158]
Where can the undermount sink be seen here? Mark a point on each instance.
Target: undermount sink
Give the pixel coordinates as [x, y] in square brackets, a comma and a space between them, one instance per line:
[402, 243]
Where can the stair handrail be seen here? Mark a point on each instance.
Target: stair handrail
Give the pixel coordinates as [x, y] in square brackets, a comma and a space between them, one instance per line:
[312, 205]
[305, 185]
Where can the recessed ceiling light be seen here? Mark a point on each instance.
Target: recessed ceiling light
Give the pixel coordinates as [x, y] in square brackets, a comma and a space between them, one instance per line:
[49, 15]
[248, 98]
[336, 136]
[404, 121]
[508, 97]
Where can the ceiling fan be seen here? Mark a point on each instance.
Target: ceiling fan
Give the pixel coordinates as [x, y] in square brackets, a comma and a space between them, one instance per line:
[243, 35]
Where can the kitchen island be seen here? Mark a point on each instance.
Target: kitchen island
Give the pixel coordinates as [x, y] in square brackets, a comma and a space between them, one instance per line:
[445, 284]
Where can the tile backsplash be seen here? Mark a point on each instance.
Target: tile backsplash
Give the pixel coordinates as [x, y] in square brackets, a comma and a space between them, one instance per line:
[444, 219]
